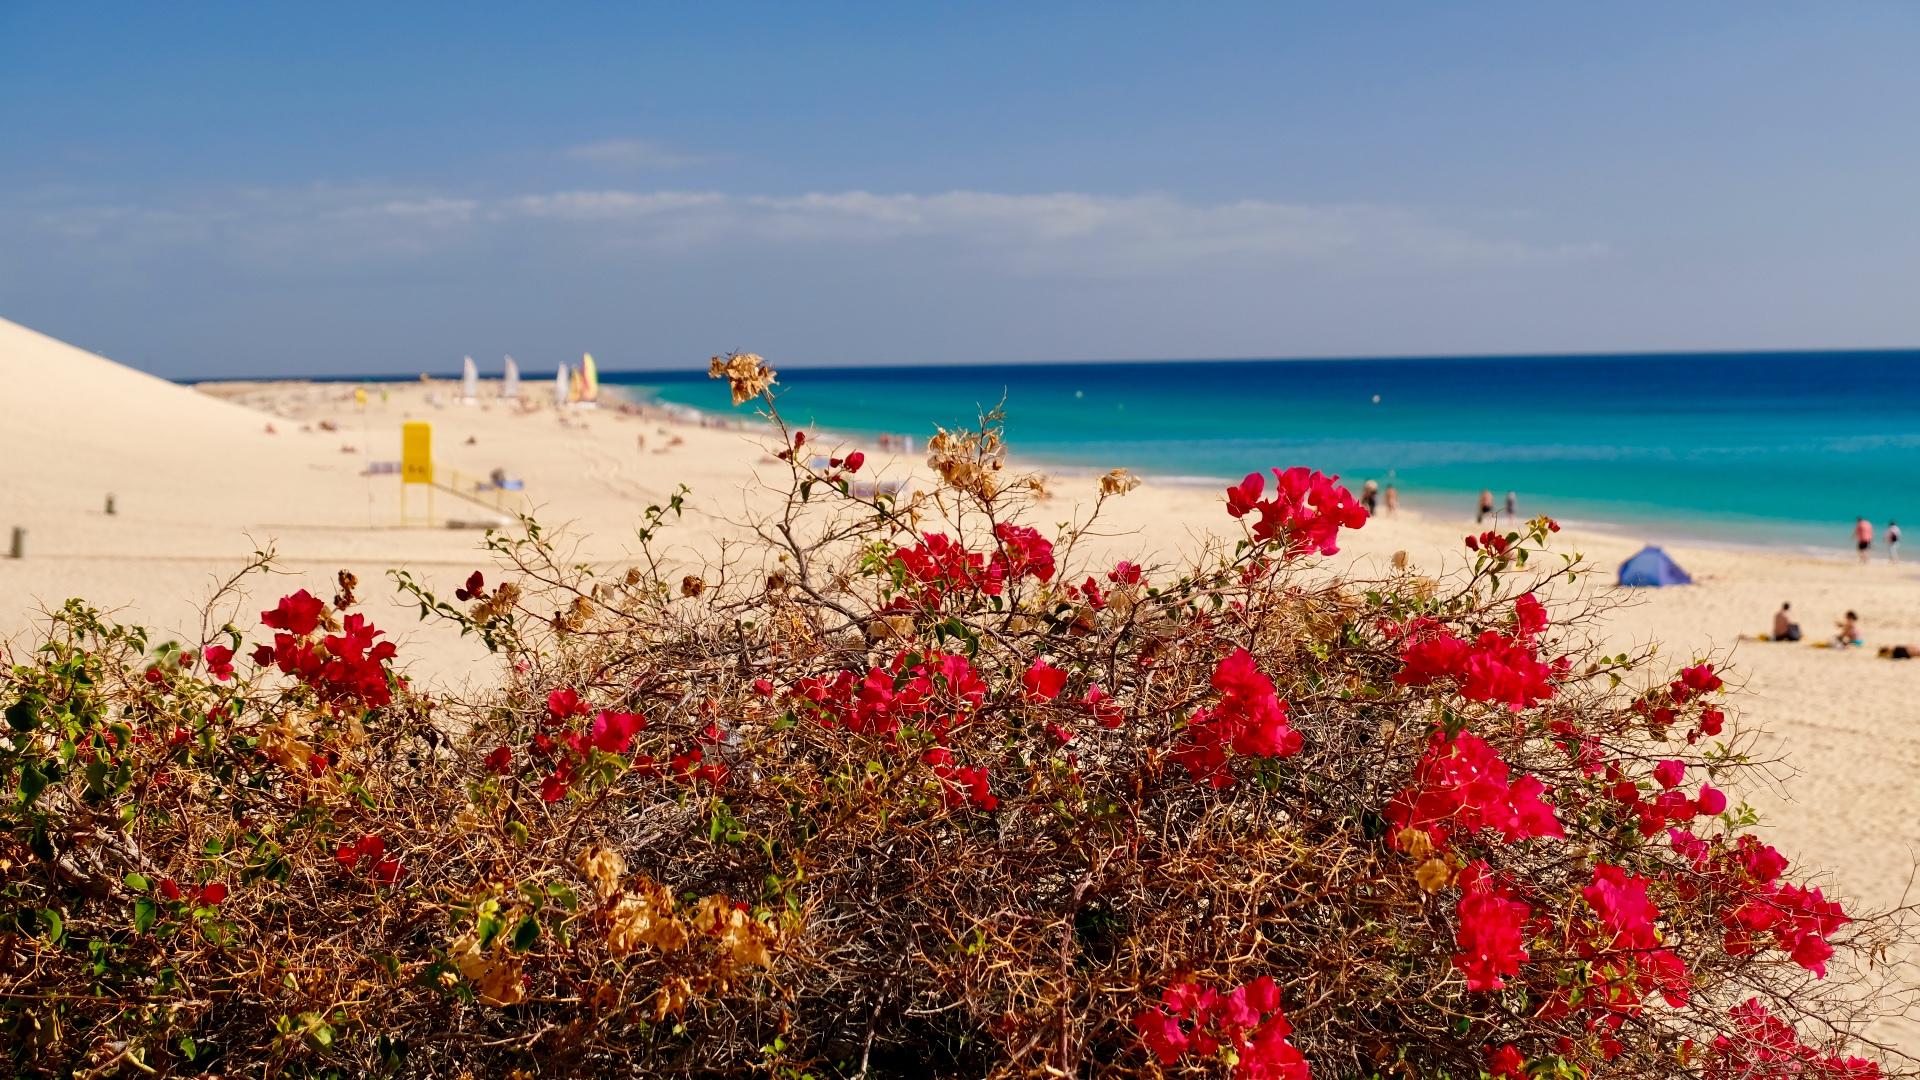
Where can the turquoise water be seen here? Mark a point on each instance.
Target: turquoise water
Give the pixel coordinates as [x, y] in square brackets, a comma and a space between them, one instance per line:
[1754, 449]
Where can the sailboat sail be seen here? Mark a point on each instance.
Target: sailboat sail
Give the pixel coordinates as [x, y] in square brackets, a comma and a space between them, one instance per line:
[510, 386]
[560, 381]
[590, 378]
[470, 381]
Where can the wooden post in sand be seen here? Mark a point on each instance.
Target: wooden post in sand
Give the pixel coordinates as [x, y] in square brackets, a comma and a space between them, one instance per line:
[19, 549]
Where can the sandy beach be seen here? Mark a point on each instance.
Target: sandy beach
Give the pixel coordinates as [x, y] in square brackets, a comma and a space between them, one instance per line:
[202, 477]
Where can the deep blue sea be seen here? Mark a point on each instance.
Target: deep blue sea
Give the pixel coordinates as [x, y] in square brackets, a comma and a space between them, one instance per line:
[1751, 449]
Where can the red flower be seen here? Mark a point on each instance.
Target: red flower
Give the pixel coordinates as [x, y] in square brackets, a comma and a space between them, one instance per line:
[219, 662]
[1506, 1064]
[475, 588]
[1250, 719]
[565, 703]
[388, 871]
[371, 846]
[1669, 773]
[169, 889]
[153, 675]
[1043, 683]
[1124, 573]
[1492, 932]
[1023, 552]
[763, 687]
[1711, 721]
[500, 761]
[855, 460]
[347, 855]
[1463, 783]
[1306, 513]
[263, 655]
[298, 614]
[1711, 801]
[1529, 616]
[613, 732]
[1100, 703]
[213, 894]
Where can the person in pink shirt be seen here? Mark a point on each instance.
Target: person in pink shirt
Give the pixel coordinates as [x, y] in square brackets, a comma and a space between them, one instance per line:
[1863, 534]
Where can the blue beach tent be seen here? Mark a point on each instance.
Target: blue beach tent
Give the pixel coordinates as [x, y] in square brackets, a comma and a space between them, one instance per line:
[1651, 566]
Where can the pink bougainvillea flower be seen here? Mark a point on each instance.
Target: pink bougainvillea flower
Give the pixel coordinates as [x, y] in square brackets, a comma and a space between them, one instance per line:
[388, 871]
[1710, 801]
[1492, 933]
[347, 855]
[1711, 721]
[263, 655]
[213, 894]
[1024, 552]
[1100, 703]
[1670, 773]
[500, 761]
[1250, 719]
[763, 687]
[1463, 783]
[613, 732]
[1506, 1063]
[855, 460]
[1043, 683]
[169, 889]
[1306, 513]
[219, 660]
[564, 704]
[298, 614]
[1124, 573]
[1529, 616]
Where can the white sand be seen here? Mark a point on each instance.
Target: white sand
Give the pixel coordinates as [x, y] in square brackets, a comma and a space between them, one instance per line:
[199, 482]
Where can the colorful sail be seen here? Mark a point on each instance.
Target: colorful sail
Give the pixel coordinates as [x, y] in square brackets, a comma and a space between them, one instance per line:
[589, 378]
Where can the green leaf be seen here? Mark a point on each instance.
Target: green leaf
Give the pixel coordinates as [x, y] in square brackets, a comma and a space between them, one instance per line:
[137, 882]
[526, 934]
[24, 715]
[144, 912]
[56, 926]
[32, 783]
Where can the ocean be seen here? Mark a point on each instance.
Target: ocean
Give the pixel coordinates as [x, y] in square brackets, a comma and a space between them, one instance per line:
[1750, 449]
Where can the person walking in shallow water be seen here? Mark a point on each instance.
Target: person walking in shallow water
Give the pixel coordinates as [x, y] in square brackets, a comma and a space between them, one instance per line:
[1893, 541]
[1369, 496]
[1863, 535]
[1513, 506]
[1486, 506]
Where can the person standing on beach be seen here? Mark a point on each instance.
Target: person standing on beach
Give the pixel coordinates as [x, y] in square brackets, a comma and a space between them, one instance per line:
[1393, 498]
[1513, 505]
[1369, 495]
[1863, 535]
[1486, 506]
[1893, 541]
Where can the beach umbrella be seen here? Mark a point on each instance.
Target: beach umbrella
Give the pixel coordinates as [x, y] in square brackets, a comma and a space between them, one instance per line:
[1652, 567]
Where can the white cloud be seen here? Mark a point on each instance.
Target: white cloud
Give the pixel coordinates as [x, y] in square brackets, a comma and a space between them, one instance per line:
[633, 154]
[1062, 234]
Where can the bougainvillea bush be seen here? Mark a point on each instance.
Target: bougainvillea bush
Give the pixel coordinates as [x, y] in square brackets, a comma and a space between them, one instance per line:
[913, 786]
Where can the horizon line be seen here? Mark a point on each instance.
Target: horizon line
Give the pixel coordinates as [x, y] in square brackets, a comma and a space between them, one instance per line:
[949, 365]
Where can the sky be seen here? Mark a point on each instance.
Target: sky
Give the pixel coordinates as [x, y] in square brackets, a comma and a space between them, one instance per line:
[323, 189]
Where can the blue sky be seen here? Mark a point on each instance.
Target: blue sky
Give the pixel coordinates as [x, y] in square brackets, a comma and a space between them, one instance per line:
[214, 189]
